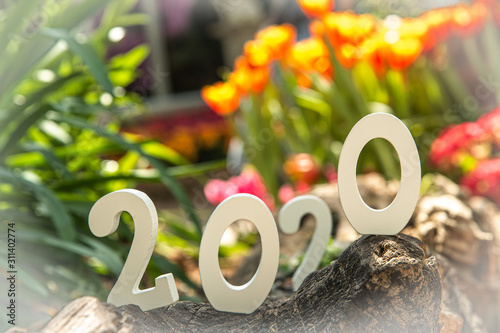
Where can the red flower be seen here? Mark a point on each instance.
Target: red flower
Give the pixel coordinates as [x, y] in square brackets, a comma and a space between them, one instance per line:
[458, 142]
[302, 167]
[485, 180]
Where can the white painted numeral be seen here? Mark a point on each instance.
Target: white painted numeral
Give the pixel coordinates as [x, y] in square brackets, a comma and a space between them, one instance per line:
[393, 218]
[222, 295]
[289, 221]
[104, 218]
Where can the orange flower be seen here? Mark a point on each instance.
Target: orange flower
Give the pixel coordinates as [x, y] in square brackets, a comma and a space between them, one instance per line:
[373, 51]
[316, 8]
[419, 29]
[278, 38]
[348, 55]
[438, 22]
[348, 27]
[247, 78]
[330, 26]
[309, 55]
[221, 97]
[468, 20]
[317, 28]
[257, 53]
[403, 53]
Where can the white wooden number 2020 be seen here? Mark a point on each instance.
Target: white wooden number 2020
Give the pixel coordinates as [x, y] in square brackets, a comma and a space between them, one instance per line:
[105, 216]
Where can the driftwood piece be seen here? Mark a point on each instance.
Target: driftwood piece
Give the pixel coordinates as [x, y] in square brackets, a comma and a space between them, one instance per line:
[462, 231]
[379, 284]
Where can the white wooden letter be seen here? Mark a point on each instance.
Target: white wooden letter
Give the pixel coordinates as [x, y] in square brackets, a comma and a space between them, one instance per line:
[289, 221]
[393, 218]
[222, 295]
[104, 218]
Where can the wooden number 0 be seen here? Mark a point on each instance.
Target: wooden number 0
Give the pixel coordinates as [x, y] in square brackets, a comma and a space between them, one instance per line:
[393, 218]
[289, 221]
[104, 218]
[222, 295]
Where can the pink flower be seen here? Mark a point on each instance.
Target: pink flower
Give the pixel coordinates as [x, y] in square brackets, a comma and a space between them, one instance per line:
[286, 193]
[249, 181]
[217, 190]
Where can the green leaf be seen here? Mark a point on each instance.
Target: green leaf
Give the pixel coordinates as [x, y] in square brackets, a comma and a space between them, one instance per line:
[312, 100]
[130, 59]
[164, 153]
[15, 111]
[143, 176]
[55, 209]
[86, 54]
[166, 179]
[77, 12]
[21, 130]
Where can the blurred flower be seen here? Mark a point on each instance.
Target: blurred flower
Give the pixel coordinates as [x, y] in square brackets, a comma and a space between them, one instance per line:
[258, 53]
[348, 27]
[316, 8]
[373, 51]
[302, 187]
[184, 142]
[348, 55]
[278, 38]
[468, 20]
[457, 143]
[302, 167]
[490, 123]
[317, 28]
[484, 180]
[221, 97]
[217, 190]
[403, 53]
[438, 22]
[286, 193]
[417, 28]
[247, 78]
[249, 181]
[311, 55]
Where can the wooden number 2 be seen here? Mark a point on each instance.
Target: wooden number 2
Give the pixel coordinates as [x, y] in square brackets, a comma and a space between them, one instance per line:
[393, 218]
[289, 221]
[222, 295]
[104, 218]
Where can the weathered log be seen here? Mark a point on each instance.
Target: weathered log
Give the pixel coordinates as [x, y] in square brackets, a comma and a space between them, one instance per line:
[378, 284]
[462, 231]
